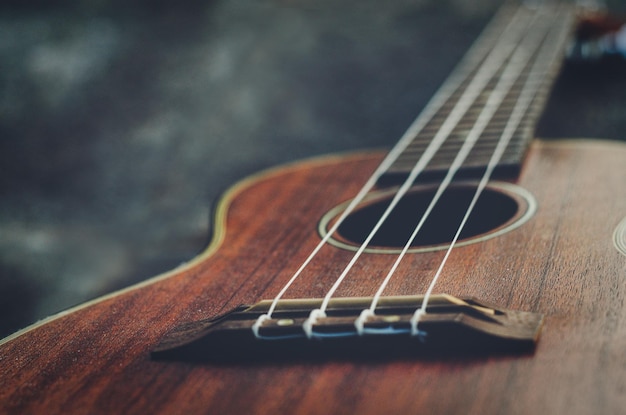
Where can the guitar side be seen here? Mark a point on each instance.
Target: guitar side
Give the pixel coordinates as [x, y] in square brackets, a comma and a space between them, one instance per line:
[563, 263]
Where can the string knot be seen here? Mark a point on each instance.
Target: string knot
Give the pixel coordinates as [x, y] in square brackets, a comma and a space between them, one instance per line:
[359, 323]
[415, 319]
[258, 323]
[308, 324]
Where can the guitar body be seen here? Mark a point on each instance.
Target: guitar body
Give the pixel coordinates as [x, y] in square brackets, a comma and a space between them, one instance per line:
[563, 262]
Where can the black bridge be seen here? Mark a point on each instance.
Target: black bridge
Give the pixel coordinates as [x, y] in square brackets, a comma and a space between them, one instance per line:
[450, 326]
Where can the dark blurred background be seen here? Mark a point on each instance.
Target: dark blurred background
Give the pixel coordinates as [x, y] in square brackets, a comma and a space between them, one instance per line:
[120, 122]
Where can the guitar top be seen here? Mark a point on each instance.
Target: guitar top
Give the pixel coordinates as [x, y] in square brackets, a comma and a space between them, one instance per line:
[469, 270]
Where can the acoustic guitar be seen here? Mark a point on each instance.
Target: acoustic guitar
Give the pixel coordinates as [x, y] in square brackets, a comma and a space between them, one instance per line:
[469, 270]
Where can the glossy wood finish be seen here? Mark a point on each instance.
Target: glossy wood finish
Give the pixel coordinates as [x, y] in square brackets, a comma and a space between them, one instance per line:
[563, 263]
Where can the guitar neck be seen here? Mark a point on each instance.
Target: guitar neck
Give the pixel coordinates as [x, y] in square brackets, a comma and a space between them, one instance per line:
[498, 90]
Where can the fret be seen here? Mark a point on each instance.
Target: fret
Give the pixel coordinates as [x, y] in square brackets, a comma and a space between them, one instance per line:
[484, 147]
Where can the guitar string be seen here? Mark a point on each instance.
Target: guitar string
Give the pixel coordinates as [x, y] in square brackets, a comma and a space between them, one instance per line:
[545, 60]
[511, 73]
[472, 59]
[490, 66]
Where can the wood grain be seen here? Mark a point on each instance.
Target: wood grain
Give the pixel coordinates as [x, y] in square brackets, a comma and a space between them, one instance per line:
[95, 359]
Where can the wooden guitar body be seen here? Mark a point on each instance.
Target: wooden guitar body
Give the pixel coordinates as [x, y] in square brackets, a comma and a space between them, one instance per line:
[563, 262]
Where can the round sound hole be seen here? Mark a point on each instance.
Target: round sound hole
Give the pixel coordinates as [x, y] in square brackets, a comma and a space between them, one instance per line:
[500, 208]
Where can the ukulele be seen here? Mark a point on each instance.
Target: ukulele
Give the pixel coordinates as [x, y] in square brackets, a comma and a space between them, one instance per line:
[469, 270]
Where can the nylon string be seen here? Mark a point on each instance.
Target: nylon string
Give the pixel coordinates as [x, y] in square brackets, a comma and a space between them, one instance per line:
[492, 64]
[505, 82]
[527, 95]
[471, 60]
[467, 65]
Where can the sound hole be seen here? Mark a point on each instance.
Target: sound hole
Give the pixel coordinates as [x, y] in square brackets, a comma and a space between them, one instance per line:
[493, 210]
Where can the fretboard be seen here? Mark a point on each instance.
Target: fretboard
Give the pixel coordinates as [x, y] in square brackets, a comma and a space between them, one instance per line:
[513, 64]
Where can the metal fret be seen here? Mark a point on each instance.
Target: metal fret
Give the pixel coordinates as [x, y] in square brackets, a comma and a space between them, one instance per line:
[479, 157]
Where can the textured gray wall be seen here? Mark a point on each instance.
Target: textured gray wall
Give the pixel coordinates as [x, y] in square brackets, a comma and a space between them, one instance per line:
[121, 123]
